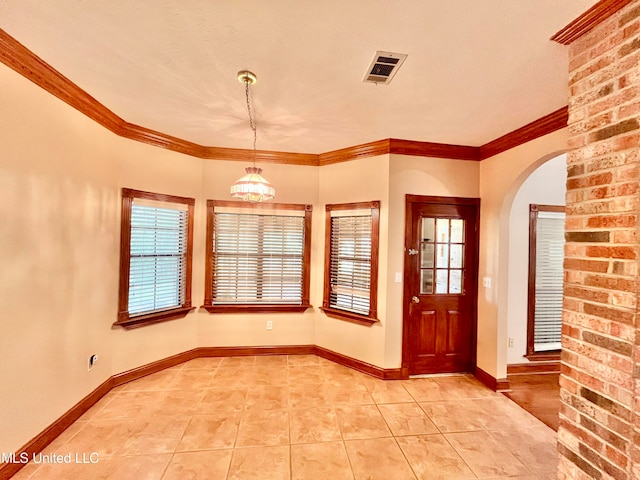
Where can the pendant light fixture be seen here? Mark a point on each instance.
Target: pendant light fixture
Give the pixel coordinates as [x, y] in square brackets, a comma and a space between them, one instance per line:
[252, 187]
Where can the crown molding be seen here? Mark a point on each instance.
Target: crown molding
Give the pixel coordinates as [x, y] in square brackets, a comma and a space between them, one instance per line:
[538, 128]
[372, 149]
[19, 58]
[589, 19]
[438, 150]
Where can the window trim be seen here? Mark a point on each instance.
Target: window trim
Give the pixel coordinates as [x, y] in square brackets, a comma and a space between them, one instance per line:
[253, 307]
[337, 313]
[531, 353]
[124, 319]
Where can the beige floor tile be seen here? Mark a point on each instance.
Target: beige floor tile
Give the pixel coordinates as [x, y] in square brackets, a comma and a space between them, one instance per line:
[433, 458]
[102, 437]
[154, 434]
[314, 425]
[26, 471]
[207, 432]
[355, 394]
[406, 419]
[178, 402]
[305, 374]
[98, 406]
[458, 416]
[156, 381]
[66, 471]
[506, 414]
[58, 443]
[298, 360]
[264, 428]
[388, 391]
[463, 387]
[485, 455]
[210, 465]
[267, 397]
[361, 421]
[238, 361]
[534, 447]
[378, 458]
[203, 363]
[266, 375]
[271, 361]
[231, 376]
[304, 396]
[339, 375]
[260, 463]
[320, 461]
[191, 379]
[425, 390]
[140, 467]
[259, 417]
[128, 405]
[230, 399]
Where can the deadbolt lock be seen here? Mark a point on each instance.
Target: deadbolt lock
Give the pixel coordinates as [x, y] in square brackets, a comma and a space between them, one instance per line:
[415, 299]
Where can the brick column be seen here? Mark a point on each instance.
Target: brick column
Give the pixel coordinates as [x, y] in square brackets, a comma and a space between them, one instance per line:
[599, 434]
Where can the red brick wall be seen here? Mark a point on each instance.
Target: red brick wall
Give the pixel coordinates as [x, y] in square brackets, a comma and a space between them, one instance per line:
[599, 434]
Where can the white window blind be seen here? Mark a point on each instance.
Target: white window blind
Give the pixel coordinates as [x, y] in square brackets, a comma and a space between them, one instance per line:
[350, 265]
[549, 278]
[258, 259]
[157, 271]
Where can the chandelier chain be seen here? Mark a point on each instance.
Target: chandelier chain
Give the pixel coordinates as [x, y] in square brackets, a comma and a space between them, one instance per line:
[252, 121]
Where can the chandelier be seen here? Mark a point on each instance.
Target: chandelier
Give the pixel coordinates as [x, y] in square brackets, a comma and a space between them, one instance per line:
[252, 187]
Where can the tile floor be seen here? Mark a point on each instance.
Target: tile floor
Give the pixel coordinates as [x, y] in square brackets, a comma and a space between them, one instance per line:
[300, 417]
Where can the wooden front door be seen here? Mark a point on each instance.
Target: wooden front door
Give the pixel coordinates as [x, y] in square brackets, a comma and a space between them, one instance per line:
[440, 278]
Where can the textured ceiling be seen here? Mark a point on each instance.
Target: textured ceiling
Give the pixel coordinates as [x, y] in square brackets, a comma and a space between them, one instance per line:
[476, 69]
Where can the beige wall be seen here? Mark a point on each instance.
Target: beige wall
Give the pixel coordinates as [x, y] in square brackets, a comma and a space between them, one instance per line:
[417, 176]
[60, 175]
[356, 181]
[547, 185]
[60, 181]
[294, 184]
[500, 178]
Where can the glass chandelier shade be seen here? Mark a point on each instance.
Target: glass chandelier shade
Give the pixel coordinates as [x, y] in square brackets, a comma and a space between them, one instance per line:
[253, 187]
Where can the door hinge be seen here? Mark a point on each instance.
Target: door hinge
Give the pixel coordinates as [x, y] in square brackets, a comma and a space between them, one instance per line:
[413, 251]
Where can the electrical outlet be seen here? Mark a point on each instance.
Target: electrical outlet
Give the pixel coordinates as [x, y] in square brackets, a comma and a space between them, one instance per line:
[486, 282]
[93, 359]
[269, 325]
[510, 341]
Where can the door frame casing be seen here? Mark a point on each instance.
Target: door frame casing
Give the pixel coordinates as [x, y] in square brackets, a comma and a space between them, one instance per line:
[409, 289]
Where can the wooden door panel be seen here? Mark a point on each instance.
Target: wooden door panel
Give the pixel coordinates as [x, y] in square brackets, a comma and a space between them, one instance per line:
[441, 273]
[455, 332]
[426, 341]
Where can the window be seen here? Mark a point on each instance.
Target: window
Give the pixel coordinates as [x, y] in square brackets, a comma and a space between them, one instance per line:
[546, 275]
[442, 256]
[258, 257]
[156, 249]
[351, 261]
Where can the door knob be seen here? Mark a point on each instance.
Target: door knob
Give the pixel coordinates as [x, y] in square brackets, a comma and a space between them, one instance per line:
[415, 299]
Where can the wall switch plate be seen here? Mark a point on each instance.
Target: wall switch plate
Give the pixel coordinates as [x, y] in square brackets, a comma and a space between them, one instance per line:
[398, 277]
[510, 342]
[269, 325]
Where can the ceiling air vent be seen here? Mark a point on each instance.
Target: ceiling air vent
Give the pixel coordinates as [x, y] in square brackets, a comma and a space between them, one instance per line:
[383, 67]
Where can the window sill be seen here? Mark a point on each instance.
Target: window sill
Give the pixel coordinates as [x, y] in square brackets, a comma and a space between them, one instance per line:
[143, 320]
[256, 308]
[349, 316]
[542, 356]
